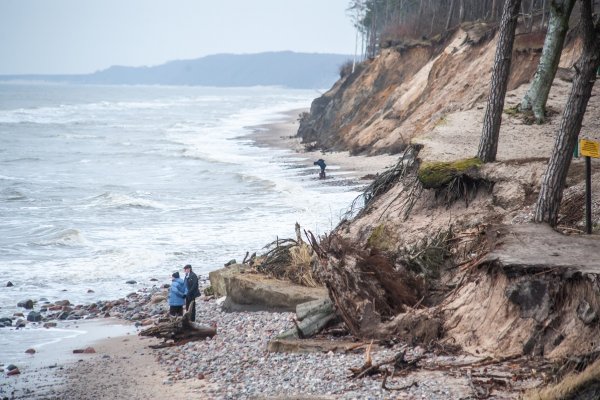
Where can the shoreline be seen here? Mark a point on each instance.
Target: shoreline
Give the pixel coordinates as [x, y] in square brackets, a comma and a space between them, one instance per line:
[340, 164]
[124, 367]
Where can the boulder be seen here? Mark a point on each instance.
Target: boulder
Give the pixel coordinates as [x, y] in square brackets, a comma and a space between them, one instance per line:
[26, 304]
[87, 350]
[217, 278]
[254, 292]
[9, 284]
[34, 316]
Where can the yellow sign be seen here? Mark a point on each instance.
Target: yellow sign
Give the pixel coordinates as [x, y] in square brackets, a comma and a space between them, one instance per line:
[589, 148]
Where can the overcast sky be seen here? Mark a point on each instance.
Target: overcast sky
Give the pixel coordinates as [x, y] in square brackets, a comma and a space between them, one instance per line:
[82, 36]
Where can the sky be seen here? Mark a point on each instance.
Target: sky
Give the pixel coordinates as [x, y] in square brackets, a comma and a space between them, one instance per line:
[84, 36]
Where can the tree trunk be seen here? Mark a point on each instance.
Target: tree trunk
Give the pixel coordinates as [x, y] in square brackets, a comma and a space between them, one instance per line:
[537, 95]
[494, 8]
[488, 145]
[553, 182]
[449, 20]
[180, 330]
[367, 289]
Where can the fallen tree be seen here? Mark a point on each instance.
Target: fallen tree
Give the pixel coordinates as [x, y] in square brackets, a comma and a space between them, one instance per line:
[180, 330]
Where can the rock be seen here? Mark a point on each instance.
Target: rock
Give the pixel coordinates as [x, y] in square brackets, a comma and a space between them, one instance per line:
[14, 371]
[257, 292]
[90, 291]
[34, 316]
[26, 304]
[230, 262]
[30, 351]
[20, 323]
[586, 313]
[217, 278]
[131, 282]
[9, 284]
[532, 296]
[153, 280]
[50, 325]
[63, 315]
[63, 303]
[158, 299]
[5, 322]
[87, 350]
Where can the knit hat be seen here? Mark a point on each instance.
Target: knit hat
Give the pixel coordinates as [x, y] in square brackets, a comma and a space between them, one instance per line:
[175, 275]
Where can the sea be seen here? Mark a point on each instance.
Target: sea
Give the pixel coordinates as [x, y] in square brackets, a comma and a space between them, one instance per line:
[100, 185]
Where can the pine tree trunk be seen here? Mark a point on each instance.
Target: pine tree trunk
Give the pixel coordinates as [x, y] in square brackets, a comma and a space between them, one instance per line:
[537, 95]
[488, 145]
[449, 20]
[553, 182]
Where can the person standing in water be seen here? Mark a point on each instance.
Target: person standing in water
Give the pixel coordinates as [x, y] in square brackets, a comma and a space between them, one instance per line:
[321, 163]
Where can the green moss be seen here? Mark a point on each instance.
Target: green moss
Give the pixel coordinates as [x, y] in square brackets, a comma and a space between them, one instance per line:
[381, 239]
[436, 175]
[209, 291]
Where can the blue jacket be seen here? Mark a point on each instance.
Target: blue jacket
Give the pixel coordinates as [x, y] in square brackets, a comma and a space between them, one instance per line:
[177, 292]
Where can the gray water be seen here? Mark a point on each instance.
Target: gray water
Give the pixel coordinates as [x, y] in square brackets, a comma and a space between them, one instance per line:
[104, 184]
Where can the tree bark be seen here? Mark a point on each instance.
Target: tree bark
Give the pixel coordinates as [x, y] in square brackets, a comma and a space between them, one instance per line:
[537, 95]
[367, 289]
[180, 329]
[488, 145]
[450, 12]
[553, 182]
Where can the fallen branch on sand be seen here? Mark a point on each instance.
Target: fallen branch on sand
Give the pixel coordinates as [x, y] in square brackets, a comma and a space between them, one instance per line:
[180, 329]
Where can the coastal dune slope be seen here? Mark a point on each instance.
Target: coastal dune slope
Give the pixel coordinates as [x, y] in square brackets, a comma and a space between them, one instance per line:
[426, 100]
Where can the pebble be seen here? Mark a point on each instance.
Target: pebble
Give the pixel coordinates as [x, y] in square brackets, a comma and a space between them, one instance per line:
[237, 365]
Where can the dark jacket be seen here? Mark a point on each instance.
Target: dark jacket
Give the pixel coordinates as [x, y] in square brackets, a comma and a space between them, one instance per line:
[191, 286]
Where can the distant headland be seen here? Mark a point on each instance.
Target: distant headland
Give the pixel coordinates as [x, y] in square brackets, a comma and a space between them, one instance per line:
[283, 68]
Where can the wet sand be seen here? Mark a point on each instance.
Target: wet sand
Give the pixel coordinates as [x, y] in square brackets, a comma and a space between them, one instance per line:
[282, 135]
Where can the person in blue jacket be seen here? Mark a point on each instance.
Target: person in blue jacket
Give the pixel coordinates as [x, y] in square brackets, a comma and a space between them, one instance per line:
[176, 295]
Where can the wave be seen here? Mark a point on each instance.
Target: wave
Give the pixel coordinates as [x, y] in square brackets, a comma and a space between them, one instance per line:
[123, 201]
[79, 113]
[10, 194]
[67, 237]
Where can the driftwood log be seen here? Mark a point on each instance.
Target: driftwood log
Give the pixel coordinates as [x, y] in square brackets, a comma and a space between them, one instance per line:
[311, 318]
[180, 330]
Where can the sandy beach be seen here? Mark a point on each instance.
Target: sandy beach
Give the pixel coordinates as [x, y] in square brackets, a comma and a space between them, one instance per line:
[123, 366]
[282, 135]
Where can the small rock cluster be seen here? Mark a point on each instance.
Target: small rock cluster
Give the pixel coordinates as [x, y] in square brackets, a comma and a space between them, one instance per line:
[142, 307]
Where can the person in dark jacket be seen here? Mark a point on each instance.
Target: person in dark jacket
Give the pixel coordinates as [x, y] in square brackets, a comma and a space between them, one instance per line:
[321, 163]
[176, 295]
[191, 290]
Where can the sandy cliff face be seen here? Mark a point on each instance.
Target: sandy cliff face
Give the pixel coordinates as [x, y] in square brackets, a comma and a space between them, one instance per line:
[486, 296]
[409, 89]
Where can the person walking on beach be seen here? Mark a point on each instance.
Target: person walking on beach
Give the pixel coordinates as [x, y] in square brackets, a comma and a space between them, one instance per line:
[176, 295]
[191, 290]
[321, 163]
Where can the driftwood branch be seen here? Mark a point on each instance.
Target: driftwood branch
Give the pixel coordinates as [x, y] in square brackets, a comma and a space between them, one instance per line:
[180, 329]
